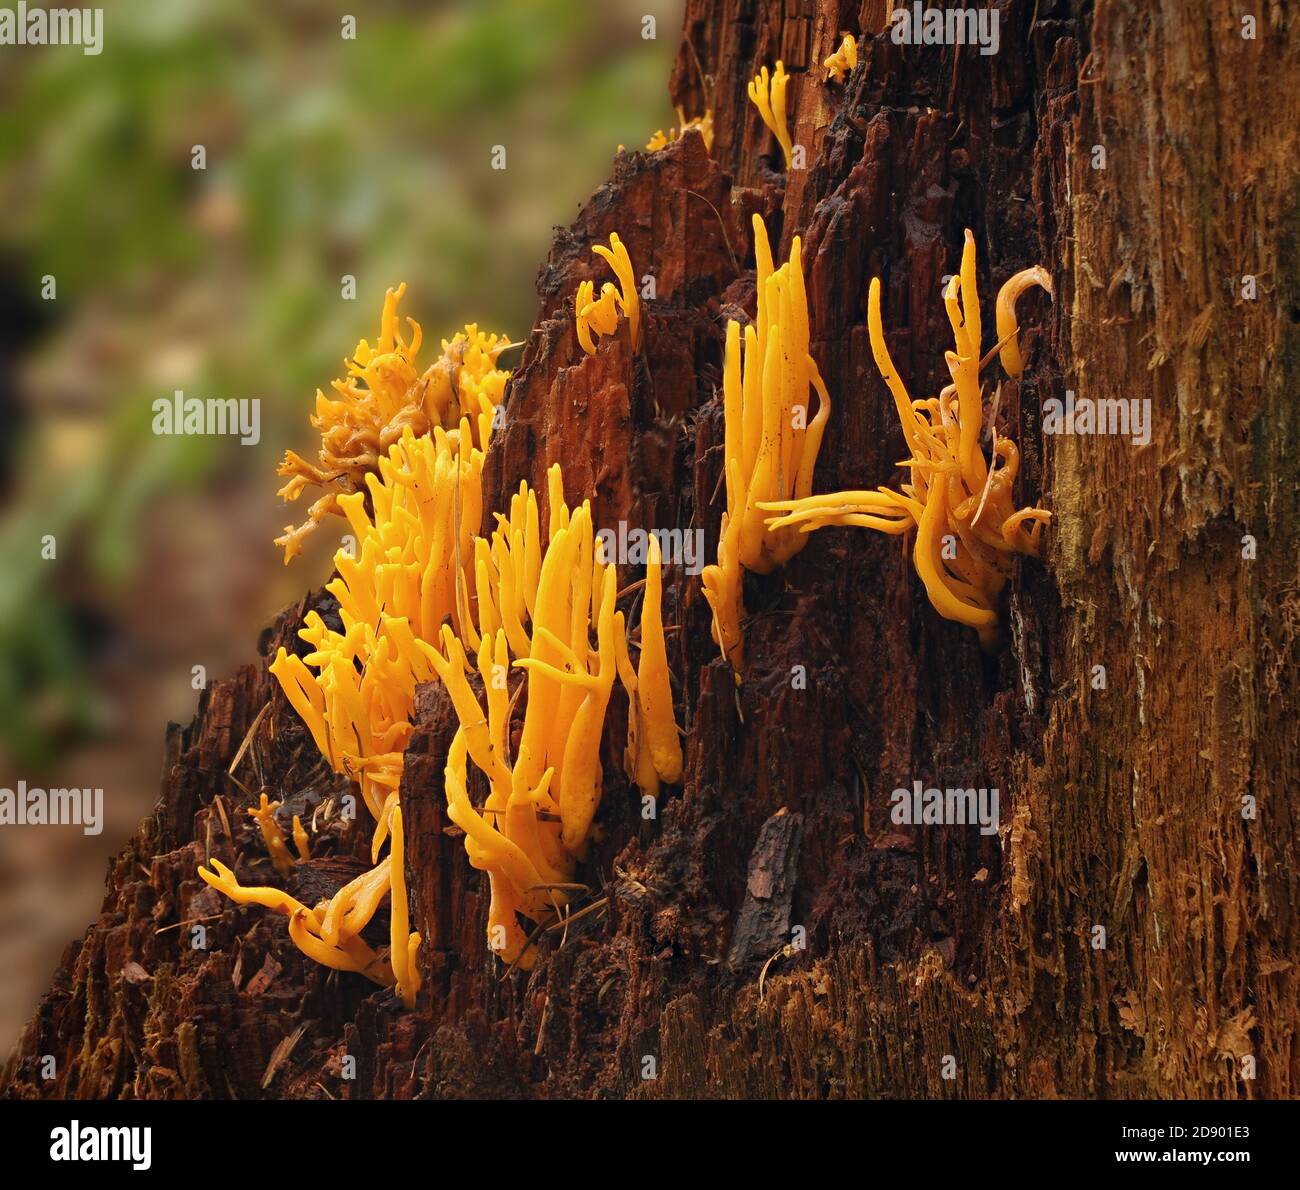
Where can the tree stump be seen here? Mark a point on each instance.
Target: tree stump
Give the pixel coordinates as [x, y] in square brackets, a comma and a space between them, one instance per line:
[1131, 929]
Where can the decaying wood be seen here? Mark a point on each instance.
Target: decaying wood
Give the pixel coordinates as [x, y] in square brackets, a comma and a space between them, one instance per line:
[1121, 806]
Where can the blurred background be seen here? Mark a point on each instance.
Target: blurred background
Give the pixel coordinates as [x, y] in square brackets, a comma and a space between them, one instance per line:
[126, 274]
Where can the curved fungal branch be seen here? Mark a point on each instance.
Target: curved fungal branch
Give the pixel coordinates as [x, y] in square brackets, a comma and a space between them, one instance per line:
[654, 747]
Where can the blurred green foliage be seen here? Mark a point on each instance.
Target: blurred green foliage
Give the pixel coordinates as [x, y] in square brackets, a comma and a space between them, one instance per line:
[324, 157]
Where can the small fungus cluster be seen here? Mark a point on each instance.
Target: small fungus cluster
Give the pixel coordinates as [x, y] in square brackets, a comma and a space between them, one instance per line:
[264, 815]
[382, 396]
[701, 124]
[329, 933]
[767, 93]
[534, 823]
[959, 502]
[600, 314]
[771, 445]
[843, 61]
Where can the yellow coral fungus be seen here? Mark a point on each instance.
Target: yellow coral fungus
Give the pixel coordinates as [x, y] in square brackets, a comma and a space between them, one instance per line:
[264, 815]
[301, 839]
[843, 61]
[959, 502]
[382, 397]
[595, 314]
[1008, 327]
[350, 954]
[414, 569]
[416, 565]
[403, 944]
[654, 692]
[771, 445]
[638, 763]
[654, 750]
[774, 443]
[534, 825]
[701, 124]
[768, 95]
[601, 314]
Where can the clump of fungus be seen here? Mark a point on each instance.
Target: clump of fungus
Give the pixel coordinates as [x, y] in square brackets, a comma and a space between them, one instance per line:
[767, 93]
[421, 587]
[535, 822]
[959, 502]
[414, 568]
[406, 453]
[600, 314]
[771, 446]
[382, 396]
[843, 61]
[701, 124]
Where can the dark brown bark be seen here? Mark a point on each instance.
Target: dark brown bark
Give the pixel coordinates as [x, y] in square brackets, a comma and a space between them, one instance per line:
[1121, 807]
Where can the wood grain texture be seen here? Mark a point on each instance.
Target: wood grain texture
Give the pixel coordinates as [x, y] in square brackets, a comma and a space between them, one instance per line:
[1121, 807]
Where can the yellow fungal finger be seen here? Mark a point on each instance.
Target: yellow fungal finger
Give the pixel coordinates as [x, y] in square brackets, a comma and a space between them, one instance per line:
[264, 815]
[723, 589]
[731, 398]
[654, 689]
[580, 787]
[768, 95]
[583, 681]
[616, 255]
[401, 953]
[637, 761]
[970, 302]
[582, 301]
[813, 439]
[754, 554]
[880, 351]
[1008, 327]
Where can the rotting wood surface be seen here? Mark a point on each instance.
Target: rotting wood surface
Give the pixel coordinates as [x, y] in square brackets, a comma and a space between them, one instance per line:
[1121, 806]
